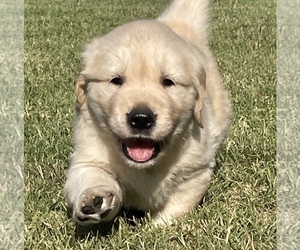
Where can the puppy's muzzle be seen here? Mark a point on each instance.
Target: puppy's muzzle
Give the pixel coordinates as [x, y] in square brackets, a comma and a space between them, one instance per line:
[140, 147]
[141, 120]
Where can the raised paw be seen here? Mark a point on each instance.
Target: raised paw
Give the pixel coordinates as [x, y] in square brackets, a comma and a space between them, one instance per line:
[96, 204]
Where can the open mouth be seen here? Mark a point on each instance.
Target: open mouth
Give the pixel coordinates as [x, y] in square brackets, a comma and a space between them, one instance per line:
[141, 149]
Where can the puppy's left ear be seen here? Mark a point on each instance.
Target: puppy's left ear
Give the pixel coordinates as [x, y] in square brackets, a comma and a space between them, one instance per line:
[200, 99]
[80, 91]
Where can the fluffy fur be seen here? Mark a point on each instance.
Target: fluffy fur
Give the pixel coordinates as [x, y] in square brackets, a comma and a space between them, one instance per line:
[166, 67]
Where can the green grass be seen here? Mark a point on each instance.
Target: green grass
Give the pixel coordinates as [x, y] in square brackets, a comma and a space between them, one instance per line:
[239, 211]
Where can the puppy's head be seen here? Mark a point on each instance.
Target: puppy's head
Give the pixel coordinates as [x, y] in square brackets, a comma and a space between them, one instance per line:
[143, 84]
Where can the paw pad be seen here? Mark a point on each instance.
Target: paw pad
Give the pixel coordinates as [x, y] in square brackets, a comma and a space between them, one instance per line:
[87, 210]
[98, 201]
[95, 205]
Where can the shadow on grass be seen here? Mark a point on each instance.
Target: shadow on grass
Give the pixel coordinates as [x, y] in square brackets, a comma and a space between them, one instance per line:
[104, 229]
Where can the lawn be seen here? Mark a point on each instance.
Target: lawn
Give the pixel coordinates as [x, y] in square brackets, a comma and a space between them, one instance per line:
[239, 210]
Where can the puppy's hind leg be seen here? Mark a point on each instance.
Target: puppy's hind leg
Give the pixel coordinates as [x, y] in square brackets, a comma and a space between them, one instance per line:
[93, 194]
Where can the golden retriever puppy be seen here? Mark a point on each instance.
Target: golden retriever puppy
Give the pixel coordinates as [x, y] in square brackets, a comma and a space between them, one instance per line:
[151, 114]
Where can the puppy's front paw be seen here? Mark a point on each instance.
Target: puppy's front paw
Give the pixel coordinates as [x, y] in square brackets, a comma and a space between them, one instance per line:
[160, 221]
[96, 204]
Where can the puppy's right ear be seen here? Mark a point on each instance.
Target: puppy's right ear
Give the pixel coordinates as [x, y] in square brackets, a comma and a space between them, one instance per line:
[81, 89]
[200, 100]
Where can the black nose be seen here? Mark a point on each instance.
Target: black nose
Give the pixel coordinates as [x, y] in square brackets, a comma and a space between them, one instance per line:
[141, 118]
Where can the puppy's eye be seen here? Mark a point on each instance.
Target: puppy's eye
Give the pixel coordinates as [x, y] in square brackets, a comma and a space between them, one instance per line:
[168, 82]
[117, 80]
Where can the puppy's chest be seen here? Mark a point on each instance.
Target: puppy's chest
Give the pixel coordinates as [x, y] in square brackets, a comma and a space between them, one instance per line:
[150, 189]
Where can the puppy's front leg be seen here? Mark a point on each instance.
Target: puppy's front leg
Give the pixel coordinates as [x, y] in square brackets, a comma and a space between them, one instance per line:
[93, 193]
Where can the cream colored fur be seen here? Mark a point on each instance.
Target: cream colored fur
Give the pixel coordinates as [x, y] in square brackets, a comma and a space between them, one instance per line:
[192, 117]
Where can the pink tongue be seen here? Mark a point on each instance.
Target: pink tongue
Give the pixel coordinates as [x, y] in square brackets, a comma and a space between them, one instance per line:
[140, 151]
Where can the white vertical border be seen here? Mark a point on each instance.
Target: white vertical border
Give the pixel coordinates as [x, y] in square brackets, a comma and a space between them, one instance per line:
[11, 124]
[288, 124]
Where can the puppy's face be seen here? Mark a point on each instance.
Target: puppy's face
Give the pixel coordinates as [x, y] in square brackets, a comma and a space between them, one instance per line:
[143, 84]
